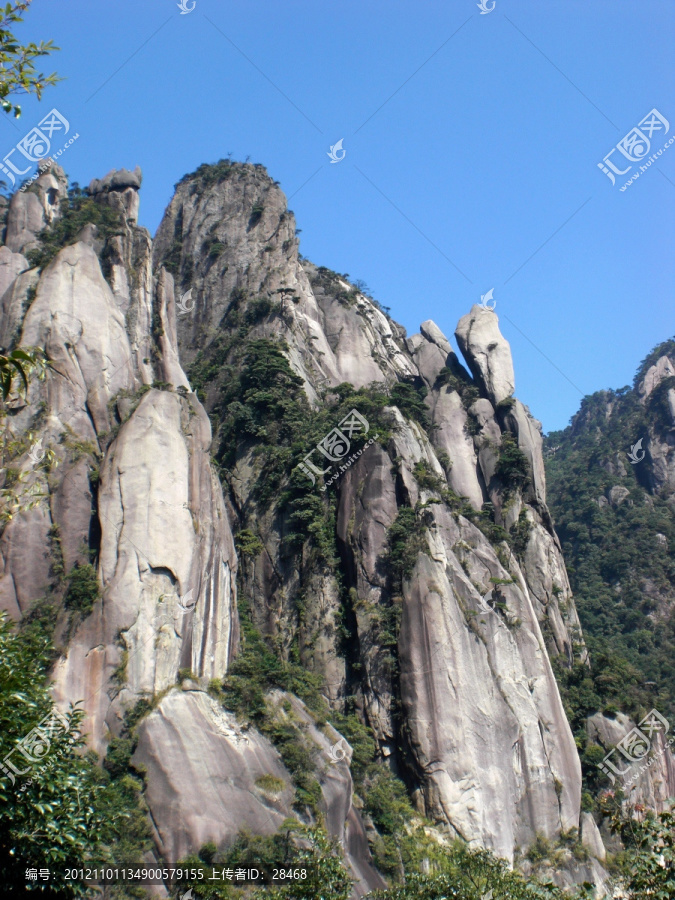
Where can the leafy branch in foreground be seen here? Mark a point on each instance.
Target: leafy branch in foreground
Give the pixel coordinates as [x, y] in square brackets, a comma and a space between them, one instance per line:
[17, 61]
[19, 363]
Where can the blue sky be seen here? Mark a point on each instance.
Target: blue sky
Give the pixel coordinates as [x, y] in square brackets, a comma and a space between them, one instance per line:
[472, 143]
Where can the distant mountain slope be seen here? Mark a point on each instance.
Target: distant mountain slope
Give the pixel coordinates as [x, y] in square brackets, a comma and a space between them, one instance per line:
[615, 518]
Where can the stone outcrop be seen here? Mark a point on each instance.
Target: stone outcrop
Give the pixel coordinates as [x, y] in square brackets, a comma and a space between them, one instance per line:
[487, 353]
[35, 208]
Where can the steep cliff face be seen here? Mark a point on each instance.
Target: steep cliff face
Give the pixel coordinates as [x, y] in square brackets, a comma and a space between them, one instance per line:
[133, 488]
[463, 701]
[409, 564]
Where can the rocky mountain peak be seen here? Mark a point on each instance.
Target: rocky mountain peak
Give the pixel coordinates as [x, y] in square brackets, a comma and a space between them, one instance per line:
[487, 353]
[393, 537]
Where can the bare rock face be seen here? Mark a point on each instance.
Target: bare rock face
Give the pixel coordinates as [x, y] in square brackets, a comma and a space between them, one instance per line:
[487, 353]
[169, 589]
[591, 838]
[208, 776]
[661, 441]
[11, 264]
[119, 189]
[202, 769]
[663, 368]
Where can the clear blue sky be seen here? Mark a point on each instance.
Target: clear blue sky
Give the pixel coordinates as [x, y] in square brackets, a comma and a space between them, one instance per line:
[486, 151]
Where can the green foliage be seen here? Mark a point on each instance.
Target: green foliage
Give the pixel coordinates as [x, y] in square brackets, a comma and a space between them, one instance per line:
[327, 878]
[623, 578]
[17, 61]
[387, 803]
[255, 671]
[83, 590]
[210, 173]
[426, 478]
[77, 210]
[259, 309]
[409, 397]
[456, 381]
[18, 362]
[520, 533]
[270, 783]
[360, 739]
[295, 846]
[248, 544]
[265, 402]
[648, 865]
[460, 873]
[406, 542]
[256, 214]
[512, 465]
[65, 809]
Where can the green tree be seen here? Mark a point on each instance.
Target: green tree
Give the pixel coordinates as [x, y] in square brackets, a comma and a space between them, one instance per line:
[648, 865]
[460, 873]
[17, 61]
[327, 878]
[18, 363]
[46, 813]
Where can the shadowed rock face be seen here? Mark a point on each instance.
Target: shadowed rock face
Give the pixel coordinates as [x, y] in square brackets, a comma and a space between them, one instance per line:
[481, 733]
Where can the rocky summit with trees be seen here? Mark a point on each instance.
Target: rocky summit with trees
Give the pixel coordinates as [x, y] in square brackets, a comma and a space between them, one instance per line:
[288, 590]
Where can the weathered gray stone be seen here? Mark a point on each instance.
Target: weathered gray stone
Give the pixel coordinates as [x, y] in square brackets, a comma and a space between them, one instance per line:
[491, 747]
[487, 353]
[662, 368]
[204, 774]
[31, 210]
[117, 180]
[590, 836]
[155, 481]
[618, 494]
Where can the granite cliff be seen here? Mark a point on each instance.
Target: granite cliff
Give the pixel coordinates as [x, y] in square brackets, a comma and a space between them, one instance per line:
[191, 380]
